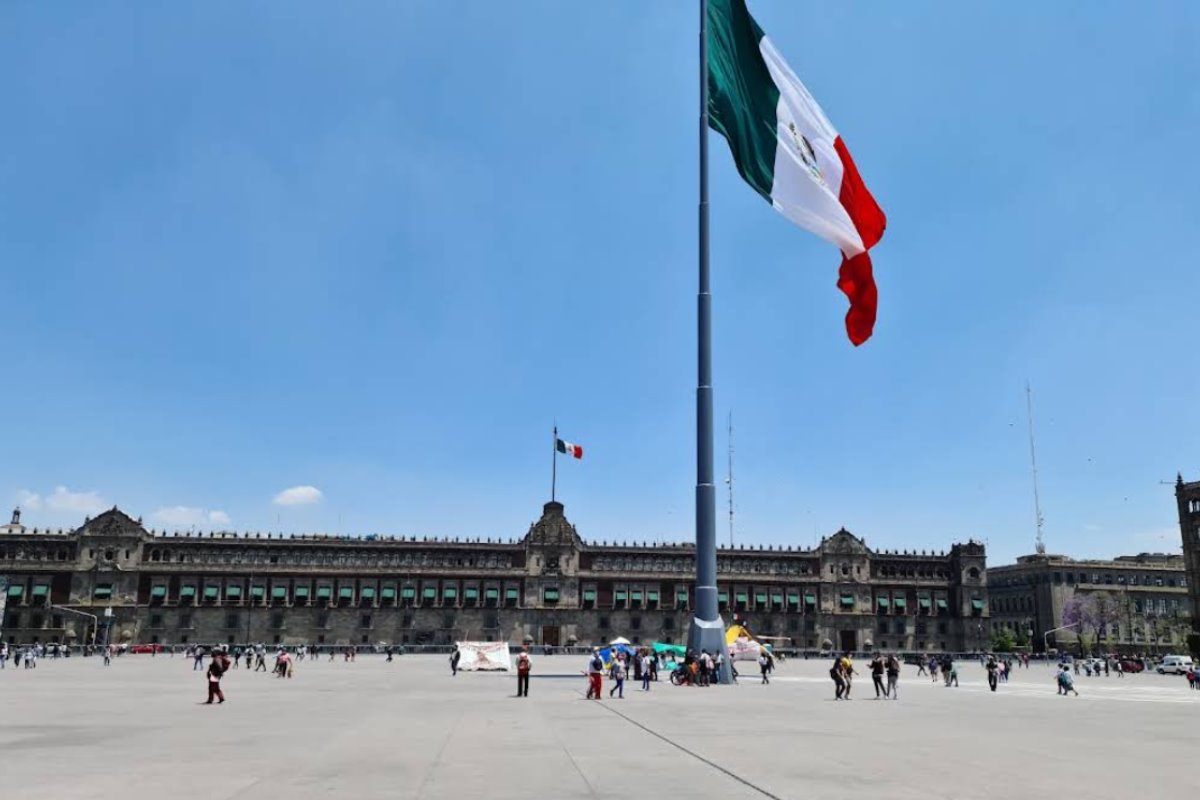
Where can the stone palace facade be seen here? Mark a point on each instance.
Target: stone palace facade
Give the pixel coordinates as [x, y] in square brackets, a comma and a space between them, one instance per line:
[548, 587]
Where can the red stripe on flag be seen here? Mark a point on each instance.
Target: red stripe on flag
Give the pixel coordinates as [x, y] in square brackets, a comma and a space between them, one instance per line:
[857, 281]
[856, 278]
[577, 450]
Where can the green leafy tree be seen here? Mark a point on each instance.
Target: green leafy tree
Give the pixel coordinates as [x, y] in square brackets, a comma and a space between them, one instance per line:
[1003, 640]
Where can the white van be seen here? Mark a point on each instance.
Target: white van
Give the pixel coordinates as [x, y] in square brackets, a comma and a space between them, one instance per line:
[1176, 665]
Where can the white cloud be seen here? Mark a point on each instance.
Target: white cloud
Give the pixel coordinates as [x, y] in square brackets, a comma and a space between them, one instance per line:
[298, 496]
[64, 500]
[29, 501]
[187, 516]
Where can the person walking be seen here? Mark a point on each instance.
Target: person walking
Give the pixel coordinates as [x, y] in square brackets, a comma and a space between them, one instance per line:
[260, 657]
[197, 657]
[388, 651]
[618, 676]
[848, 674]
[1066, 684]
[3, 654]
[108, 655]
[646, 661]
[455, 657]
[892, 666]
[877, 676]
[764, 664]
[524, 665]
[921, 666]
[216, 668]
[595, 672]
[993, 669]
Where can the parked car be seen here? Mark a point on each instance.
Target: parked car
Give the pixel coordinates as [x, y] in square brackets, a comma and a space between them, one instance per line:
[146, 648]
[1176, 665]
[1130, 665]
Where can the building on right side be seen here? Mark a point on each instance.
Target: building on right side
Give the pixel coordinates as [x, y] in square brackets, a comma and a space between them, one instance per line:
[1129, 604]
[1187, 496]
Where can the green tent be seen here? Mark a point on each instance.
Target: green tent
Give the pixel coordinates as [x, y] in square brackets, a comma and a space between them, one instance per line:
[672, 653]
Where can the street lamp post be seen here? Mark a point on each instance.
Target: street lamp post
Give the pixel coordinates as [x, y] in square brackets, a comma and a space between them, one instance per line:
[95, 620]
[1046, 635]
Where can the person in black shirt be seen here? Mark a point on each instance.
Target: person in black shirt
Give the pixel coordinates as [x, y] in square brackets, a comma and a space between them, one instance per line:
[877, 676]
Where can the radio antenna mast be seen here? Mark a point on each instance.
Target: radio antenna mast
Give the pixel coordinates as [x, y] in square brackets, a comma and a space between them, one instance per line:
[1039, 543]
[729, 479]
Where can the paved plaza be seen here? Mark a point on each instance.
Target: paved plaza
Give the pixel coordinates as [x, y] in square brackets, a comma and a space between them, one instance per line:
[73, 729]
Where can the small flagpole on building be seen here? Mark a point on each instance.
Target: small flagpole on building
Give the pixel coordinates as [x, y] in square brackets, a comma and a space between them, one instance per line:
[554, 463]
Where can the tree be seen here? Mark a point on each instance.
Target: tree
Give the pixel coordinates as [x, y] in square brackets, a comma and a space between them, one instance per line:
[1022, 637]
[1003, 640]
[1079, 612]
[1107, 613]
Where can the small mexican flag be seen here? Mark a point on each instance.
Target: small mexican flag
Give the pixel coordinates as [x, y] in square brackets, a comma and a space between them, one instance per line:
[789, 152]
[575, 450]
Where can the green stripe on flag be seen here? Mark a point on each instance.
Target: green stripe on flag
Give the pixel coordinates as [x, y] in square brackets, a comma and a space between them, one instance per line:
[742, 97]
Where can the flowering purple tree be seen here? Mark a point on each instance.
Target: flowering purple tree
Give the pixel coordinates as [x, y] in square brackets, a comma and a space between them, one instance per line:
[1081, 614]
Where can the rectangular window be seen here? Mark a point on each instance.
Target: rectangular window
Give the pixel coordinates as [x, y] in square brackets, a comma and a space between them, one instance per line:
[550, 595]
[365, 621]
[103, 591]
[589, 595]
[511, 596]
[847, 601]
[232, 621]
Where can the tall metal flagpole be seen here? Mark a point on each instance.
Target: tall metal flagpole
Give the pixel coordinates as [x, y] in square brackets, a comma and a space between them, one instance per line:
[554, 463]
[708, 630]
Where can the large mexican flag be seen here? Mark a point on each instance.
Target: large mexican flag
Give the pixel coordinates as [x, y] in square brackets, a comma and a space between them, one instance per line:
[788, 150]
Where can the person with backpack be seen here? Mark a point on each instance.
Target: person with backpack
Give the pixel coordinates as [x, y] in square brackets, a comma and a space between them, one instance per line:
[595, 673]
[618, 676]
[524, 665]
[892, 666]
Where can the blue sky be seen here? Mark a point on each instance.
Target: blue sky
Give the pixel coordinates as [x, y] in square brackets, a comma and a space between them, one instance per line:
[253, 247]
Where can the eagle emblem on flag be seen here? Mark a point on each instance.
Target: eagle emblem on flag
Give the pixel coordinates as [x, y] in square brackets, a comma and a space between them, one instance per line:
[807, 154]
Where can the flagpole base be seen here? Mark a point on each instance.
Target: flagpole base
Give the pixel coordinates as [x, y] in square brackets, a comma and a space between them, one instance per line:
[709, 634]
